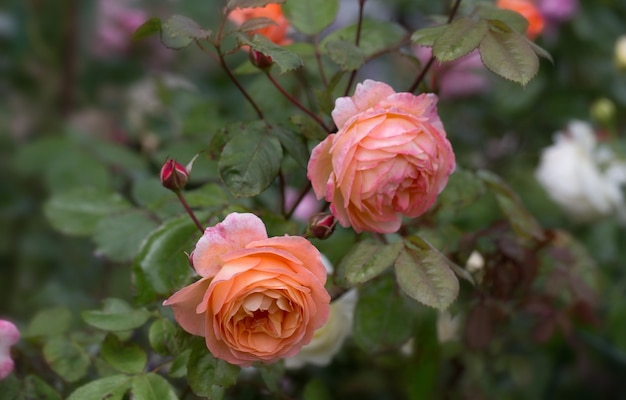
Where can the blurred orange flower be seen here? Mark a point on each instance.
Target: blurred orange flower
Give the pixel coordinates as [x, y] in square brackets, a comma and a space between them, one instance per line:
[277, 32]
[528, 10]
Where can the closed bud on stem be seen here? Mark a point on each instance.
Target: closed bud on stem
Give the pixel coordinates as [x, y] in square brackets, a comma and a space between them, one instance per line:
[260, 60]
[174, 176]
[321, 226]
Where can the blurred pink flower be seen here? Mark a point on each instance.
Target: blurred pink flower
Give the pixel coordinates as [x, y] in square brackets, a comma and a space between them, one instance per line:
[308, 206]
[465, 76]
[9, 335]
[556, 11]
[116, 22]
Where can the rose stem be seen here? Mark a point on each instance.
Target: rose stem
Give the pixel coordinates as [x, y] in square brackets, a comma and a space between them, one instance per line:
[222, 62]
[430, 62]
[182, 200]
[296, 102]
[359, 27]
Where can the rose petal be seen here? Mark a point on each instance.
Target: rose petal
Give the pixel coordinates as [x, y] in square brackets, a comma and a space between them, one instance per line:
[234, 233]
[320, 166]
[185, 304]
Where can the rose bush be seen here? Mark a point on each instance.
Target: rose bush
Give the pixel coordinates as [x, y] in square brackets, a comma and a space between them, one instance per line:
[390, 157]
[259, 298]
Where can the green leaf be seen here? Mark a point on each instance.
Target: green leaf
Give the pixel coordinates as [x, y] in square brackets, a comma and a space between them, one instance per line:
[311, 16]
[207, 374]
[272, 374]
[232, 4]
[511, 18]
[148, 28]
[425, 275]
[152, 387]
[293, 143]
[376, 36]
[76, 169]
[464, 188]
[522, 221]
[37, 388]
[109, 388]
[382, 318]
[161, 267]
[116, 315]
[49, 322]
[256, 23]
[365, 261]
[207, 196]
[459, 38]
[427, 36]
[250, 160]
[316, 389]
[285, 59]
[66, 358]
[509, 55]
[125, 357]
[162, 335]
[179, 31]
[345, 54]
[178, 369]
[120, 236]
[78, 211]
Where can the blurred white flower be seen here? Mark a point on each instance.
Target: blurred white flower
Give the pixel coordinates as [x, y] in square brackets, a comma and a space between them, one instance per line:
[328, 340]
[448, 326]
[620, 52]
[570, 172]
[9, 335]
[475, 262]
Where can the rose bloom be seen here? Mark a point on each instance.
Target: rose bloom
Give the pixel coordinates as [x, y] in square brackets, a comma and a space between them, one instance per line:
[570, 172]
[117, 20]
[276, 33]
[389, 158]
[9, 335]
[259, 298]
[528, 10]
[329, 339]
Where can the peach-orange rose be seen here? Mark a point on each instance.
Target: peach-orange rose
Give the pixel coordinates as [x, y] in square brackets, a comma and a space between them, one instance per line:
[276, 33]
[259, 298]
[528, 10]
[389, 158]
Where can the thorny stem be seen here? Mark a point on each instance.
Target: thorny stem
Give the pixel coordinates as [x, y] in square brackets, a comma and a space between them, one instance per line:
[359, 27]
[182, 200]
[222, 62]
[296, 102]
[236, 82]
[318, 58]
[430, 62]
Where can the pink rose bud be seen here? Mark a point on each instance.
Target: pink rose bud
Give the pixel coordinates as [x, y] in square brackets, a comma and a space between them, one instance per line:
[9, 335]
[390, 158]
[174, 176]
[260, 60]
[321, 226]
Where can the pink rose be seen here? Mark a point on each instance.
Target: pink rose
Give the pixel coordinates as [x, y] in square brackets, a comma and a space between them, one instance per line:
[259, 298]
[9, 335]
[389, 158]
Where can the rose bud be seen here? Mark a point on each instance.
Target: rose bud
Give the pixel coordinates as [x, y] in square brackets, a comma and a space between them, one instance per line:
[321, 226]
[174, 176]
[260, 60]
